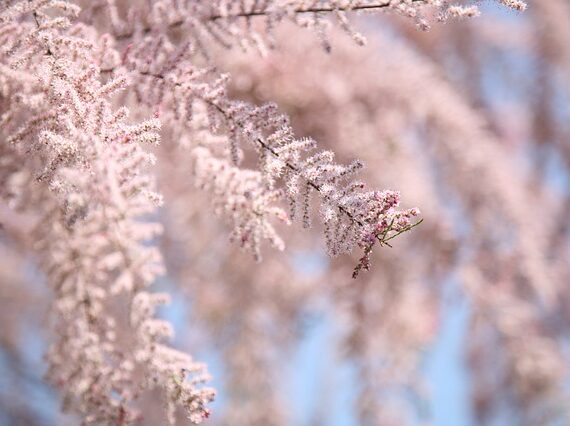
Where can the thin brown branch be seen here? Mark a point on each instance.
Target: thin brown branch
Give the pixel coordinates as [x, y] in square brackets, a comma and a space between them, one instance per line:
[266, 147]
[293, 168]
[261, 13]
[37, 21]
[290, 166]
[314, 9]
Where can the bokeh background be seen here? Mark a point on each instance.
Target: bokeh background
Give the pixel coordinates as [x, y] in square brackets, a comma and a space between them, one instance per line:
[465, 321]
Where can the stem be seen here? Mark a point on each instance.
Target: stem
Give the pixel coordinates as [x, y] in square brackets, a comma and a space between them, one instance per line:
[314, 9]
[382, 240]
[292, 167]
[37, 21]
[261, 13]
[403, 230]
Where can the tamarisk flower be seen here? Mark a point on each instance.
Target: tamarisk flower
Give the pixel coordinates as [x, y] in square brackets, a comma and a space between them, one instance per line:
[287, 164]
[241, 196]
[518, 5]
[383, 223]
[87, 181]
[166, 71]
[351, 216]
[235, 22]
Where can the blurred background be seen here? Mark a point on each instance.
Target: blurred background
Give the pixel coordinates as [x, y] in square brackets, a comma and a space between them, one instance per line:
[465, 321]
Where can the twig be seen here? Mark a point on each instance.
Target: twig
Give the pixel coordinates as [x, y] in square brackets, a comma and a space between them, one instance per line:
[261, 13]
[295, 169]
[314, 9]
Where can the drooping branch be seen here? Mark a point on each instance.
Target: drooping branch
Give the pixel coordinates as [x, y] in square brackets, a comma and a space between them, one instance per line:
[370, 215]
[309, 10]
[266, 12]
[383, 239]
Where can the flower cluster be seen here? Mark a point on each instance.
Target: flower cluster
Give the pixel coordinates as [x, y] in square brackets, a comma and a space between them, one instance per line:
[251, 23]
[87, 182]
[74, 162]
[351, 216]
[241, 196]
[202, 107]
